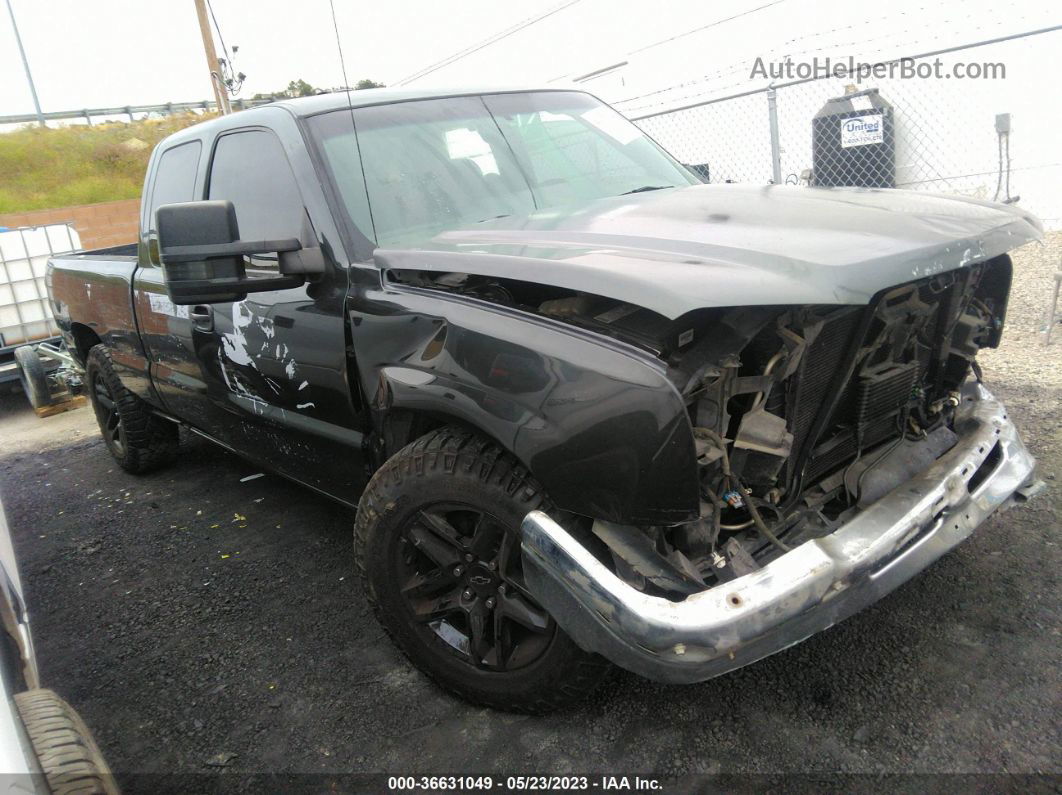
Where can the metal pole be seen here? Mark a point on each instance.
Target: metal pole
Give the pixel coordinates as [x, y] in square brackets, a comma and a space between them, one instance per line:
[776, 149]
[25, 64]
[220, 94]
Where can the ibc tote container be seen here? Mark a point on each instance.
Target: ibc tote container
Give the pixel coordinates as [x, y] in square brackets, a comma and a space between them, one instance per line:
[853, 142]
[25, 314]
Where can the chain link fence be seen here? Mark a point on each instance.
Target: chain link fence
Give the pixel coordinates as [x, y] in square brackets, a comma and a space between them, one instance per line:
[935, 134]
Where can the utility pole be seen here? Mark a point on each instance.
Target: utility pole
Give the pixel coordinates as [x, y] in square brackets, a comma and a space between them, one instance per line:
[221, 95]
[25, 64]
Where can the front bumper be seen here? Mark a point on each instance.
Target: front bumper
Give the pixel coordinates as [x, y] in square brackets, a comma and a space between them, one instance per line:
[806, 590]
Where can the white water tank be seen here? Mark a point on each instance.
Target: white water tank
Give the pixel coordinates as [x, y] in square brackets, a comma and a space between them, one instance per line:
[25, 315]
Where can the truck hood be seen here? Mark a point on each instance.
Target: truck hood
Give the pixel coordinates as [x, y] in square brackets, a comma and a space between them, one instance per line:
[682, 249]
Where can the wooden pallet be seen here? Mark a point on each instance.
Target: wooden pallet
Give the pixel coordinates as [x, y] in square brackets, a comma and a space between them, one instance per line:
[75, 402]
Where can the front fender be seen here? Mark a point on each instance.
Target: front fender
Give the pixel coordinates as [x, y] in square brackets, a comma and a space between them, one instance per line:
[596, 421]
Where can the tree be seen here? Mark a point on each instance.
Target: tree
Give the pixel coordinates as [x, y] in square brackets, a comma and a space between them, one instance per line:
[296, 88]
[300, 88]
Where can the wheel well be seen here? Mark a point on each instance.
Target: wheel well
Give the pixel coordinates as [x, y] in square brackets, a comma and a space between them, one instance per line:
[84, 340]
[399, 427]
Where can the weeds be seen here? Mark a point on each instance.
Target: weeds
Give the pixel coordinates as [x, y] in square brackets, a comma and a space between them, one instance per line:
[44, 168]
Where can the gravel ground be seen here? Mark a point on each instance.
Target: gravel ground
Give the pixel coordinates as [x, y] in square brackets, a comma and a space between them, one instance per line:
[195, 619]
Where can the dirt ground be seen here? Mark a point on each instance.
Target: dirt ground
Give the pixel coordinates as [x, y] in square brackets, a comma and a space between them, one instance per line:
[195, 619]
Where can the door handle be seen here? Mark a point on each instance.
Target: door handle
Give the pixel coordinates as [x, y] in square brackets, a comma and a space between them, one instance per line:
[202, 317]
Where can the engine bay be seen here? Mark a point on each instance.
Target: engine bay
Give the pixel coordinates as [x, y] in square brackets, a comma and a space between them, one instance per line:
[801, 415]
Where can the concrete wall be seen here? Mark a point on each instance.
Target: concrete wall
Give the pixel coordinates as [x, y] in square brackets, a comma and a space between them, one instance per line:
[99, 225]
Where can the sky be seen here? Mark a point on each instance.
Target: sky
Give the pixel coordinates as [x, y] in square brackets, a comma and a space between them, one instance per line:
[101, 53]
[666, 54]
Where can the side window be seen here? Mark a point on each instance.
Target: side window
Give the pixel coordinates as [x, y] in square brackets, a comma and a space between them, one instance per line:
[251, 170]
[174, 182]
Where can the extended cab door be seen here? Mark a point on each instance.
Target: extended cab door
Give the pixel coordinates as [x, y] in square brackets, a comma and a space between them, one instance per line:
[274, 366]
[165, 329]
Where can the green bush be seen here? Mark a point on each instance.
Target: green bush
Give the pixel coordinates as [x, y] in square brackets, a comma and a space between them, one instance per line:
[44, 168]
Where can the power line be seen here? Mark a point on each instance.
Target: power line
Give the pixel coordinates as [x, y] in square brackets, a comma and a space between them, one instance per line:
[744, 66]
[706, 27]
[213, 66]
[678, 36]
[800, 81]
[217, 27]
[427, 70]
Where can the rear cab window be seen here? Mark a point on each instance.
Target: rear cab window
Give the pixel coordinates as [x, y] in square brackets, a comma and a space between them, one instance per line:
[174, 181]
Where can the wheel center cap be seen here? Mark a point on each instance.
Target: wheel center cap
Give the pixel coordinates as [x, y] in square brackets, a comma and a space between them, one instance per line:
[481, 580]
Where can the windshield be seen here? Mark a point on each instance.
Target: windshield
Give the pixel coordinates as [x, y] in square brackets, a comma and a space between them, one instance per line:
[430, 166]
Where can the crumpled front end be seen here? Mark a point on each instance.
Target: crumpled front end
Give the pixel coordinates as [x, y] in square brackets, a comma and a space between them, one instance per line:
[808, 588]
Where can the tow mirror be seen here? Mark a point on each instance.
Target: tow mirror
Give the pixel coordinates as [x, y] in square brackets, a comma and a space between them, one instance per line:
[203, 257]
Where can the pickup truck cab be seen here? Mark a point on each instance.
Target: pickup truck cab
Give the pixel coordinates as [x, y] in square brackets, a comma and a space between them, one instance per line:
[588, 408]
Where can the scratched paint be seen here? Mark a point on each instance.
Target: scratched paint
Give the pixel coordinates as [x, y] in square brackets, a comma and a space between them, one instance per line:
[234, 344]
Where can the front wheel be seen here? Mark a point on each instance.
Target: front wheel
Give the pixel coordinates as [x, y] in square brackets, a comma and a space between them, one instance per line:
[437, 541]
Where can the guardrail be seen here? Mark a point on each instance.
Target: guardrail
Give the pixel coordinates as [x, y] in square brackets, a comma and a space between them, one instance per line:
[164, 109]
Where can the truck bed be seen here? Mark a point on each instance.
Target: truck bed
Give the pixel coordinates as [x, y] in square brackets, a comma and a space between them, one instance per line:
[115, 252]
[92, 300]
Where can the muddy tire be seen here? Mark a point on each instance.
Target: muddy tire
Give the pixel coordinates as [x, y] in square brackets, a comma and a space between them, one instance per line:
[33, 376]
[437, 545]
[138, 440]
[65, 748]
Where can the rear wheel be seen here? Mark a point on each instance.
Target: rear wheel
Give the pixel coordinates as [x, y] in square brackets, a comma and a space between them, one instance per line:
[138, 440]
[437, 541]
[33, 376]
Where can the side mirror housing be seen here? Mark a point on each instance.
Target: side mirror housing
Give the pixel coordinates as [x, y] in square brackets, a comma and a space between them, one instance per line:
[203, 257]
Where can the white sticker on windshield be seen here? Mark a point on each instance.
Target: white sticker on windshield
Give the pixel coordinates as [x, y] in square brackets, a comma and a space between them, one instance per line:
[612, 124]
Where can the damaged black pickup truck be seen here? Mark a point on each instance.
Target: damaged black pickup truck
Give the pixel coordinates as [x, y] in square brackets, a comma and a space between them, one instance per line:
[588, 409]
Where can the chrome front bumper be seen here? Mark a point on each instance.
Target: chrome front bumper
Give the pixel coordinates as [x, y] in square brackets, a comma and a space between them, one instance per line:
[806, 590]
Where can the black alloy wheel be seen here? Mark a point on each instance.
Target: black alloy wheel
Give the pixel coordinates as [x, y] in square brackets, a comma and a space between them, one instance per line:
[437, 543]
[107, 415]
[461, 578]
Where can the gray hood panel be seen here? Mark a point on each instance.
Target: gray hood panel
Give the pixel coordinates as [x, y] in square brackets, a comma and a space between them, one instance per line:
[676, 250]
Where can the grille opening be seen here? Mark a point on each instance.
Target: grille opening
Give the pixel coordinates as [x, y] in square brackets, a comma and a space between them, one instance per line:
[988, 466]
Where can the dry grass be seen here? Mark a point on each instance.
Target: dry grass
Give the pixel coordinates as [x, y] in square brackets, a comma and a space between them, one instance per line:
[44, 168]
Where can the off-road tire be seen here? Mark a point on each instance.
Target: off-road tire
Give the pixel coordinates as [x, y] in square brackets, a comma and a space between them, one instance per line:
[148, 442]
[460, 465]
[33, 376]
[65, 748]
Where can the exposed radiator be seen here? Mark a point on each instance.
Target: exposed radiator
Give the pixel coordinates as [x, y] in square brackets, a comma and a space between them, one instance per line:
[874, 403]
[882, 394]
[824, 357]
